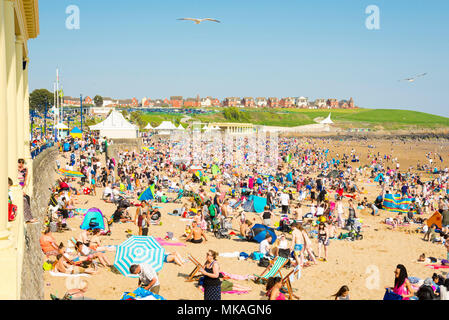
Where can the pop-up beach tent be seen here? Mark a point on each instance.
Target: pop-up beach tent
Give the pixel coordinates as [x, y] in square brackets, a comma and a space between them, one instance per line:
[260, 231]
[380, 175]
[93, 219]
[76, 133]
[255, 204]
[148, 194]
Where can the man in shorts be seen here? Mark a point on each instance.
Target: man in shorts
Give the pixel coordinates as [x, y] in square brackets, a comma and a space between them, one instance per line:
[297, 246]
[284, 200]
[197, 234]
[148, 278]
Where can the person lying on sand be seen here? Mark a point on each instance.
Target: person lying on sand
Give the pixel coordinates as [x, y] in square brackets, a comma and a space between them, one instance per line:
[65, 265]
[174, 257]
[423, 259]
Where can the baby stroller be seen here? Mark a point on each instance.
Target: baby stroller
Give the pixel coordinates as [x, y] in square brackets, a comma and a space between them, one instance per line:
[355, 228]
[222, 231]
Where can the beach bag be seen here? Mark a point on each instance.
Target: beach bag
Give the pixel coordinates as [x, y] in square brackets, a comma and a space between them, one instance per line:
[264, 262]
[156, 216]
[12, 210]
[256, 255]
[47, 266]
[390, 295]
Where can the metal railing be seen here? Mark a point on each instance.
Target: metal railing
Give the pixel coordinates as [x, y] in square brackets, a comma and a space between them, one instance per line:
[36, 151]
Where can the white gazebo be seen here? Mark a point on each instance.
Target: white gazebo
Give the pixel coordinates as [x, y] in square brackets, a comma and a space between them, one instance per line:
[327, 120]
[62, 130]
[149, 127]
[165, 128]
[116, 127]
[180, 127]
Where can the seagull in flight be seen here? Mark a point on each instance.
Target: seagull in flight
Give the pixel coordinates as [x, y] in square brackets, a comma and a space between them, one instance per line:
[414, 78]
[198, 21]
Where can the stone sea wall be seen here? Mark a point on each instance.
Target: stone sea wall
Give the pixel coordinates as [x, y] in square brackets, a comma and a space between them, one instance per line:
[44, 176]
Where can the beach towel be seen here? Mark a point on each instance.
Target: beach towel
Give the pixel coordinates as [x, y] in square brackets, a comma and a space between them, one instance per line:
[399, 225]
[141, 294]
[162, 242]
[237, 276]
[436, 266]
[60, 274]
[235, 254]
[81, 211]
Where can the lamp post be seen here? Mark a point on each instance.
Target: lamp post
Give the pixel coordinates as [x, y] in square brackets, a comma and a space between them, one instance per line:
[32, 123]
[81, 104]
[45, 118]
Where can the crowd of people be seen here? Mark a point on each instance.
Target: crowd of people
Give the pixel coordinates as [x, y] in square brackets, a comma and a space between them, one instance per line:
[309, 196]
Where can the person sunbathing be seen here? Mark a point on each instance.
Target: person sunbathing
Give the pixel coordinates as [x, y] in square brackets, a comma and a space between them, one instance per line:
[245, 230]
[423, 259]
[197, 234]
[84, 251]
[65, 264]
[174, 257]
[95, 242]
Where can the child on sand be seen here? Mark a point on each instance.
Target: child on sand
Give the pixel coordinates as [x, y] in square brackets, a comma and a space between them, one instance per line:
[342, 294]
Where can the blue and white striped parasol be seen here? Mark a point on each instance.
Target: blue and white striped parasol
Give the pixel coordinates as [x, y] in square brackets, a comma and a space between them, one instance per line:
[136, 250]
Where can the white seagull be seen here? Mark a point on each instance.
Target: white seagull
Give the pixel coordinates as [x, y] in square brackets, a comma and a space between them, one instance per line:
[414, 78]
[198, 21]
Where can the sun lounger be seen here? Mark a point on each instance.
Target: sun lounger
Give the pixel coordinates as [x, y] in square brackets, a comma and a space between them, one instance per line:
[273, 269]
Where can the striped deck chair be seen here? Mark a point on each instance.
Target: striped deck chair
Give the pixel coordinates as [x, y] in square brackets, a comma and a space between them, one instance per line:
[198, 266]
[287, 281]
[273, 269]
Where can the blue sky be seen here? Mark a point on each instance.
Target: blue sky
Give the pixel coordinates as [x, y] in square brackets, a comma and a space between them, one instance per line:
[317, 49]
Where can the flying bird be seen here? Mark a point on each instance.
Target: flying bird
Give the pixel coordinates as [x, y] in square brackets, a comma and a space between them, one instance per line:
[198, 21]
[414, 78]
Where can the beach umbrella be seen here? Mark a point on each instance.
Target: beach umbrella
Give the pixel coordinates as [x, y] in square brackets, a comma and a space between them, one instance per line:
[136, 250]
[260, 231]
[69, 173]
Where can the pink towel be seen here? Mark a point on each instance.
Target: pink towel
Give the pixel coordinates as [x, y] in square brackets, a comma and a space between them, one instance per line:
[435, 266]
[162, 242]
[231, 292]
[235, 276]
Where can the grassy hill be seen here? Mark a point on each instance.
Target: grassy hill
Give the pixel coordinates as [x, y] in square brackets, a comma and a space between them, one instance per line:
[388, 119]
[375, 119]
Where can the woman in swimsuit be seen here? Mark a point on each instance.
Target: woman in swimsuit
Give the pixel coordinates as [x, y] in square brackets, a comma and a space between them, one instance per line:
[402, 285]
[274, 285]
[323, 240]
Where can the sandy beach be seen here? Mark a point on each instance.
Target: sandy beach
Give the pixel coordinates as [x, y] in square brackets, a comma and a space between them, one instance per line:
[356, 264]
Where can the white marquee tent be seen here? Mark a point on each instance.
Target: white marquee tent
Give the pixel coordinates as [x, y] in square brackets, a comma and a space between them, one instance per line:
[116, 127]
[166, 127]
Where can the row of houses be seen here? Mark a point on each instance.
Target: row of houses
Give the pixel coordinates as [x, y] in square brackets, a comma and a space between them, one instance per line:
[245, 102]
[290, 102]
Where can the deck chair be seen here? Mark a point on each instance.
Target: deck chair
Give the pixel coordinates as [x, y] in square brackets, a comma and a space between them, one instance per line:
[287, 281]
[198, 266]
[273, 269]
